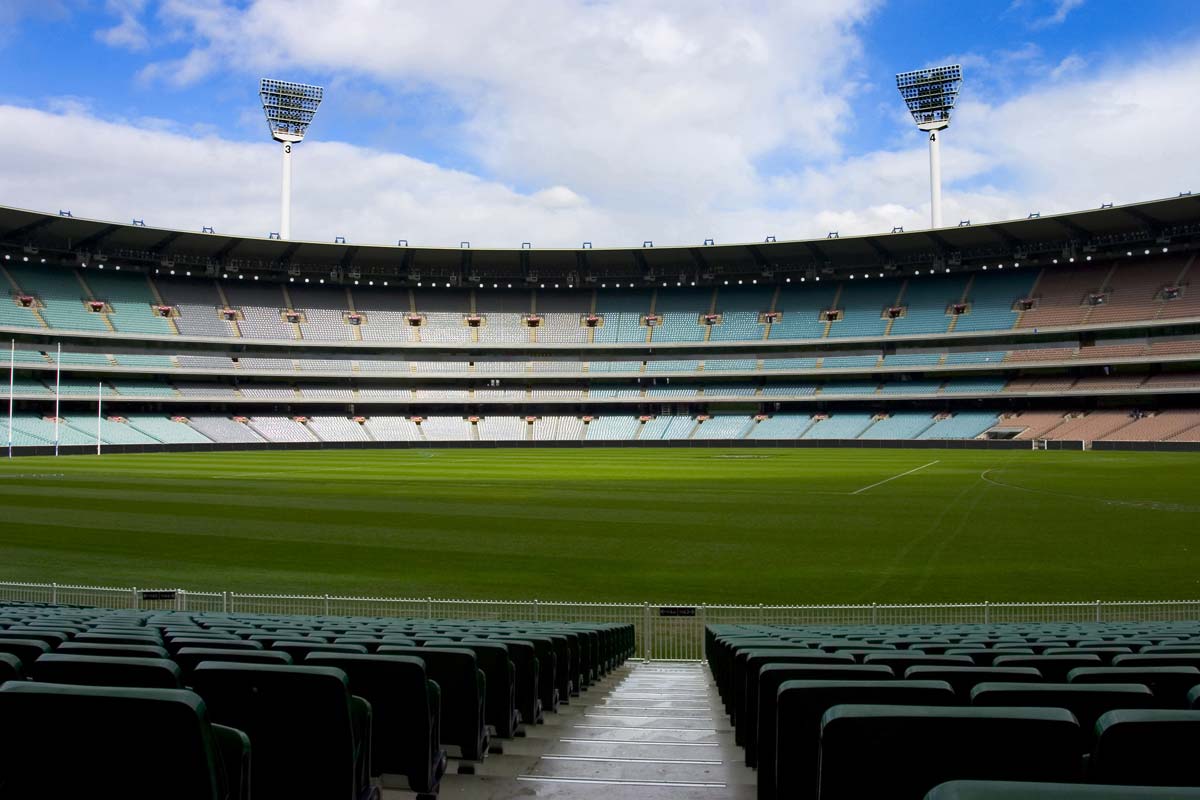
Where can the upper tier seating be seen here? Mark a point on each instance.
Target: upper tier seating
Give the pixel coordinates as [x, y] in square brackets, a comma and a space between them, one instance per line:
[622, 312]
[991, 298]
[131, 300]
[680, 310]
[562, 313]
[925, 302]
[740, 310]
[801, 306]
[62, 297]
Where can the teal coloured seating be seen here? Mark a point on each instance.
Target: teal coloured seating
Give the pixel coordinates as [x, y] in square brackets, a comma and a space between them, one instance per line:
[190, 658]
[991, 297]
[500, 705]
[88, 741]
[800, 707]
[464, 690]
[1170, 685]
[1018, 790]
[1087, 701]
[27, 650]
[309, 736]
[905, 751]
[62, 297]
[112, 650]
[11, 668]
[299, 650]
[131, 301]
[1053, 668]
[147, 673]
[800, 306]
[925, 302]
[964, 679]
[406, 711]
[1147, 748]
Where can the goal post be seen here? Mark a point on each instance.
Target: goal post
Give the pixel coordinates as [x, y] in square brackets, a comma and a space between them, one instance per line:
[1040, 444]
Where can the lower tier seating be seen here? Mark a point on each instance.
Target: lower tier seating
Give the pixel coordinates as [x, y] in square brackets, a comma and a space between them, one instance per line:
[204, 706]
[894, 711]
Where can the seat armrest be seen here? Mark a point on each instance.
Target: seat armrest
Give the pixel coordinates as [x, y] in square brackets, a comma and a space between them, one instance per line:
[233, 749]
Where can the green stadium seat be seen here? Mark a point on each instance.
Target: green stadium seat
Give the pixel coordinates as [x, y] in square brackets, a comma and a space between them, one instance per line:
[987, 657]
[118, 638]
[1147, 748]
[758, 720]
[175, 645]
[1193, 696]
[747, 663]
[309, 736]
[87, 741]
[1158, 660]
[500, 706]
[113, 650]
[528, 676]
[904, 751]
[1053, 668]
[901, 661]
[1107, 654]
[547, 682]
[28, 650]
[190, 657]
[1087, 701]
[793, 768]
[1017, 790]
[298, 650]
[50, 637]
[964, 679]
[11, 668]
[148, 673]
[1170, 685]
[406, 708]
[464, 690]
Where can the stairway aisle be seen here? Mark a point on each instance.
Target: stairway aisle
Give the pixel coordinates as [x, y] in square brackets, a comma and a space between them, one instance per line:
[649, 731]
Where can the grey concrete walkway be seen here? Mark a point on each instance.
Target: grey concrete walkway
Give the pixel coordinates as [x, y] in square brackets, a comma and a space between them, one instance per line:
[649, 731]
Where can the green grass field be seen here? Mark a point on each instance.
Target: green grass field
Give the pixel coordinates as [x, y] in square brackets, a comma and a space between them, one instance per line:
[691, 526]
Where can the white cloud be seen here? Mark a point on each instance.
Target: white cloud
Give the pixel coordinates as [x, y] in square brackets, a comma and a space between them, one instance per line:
[1057, 17]
[129, 32]
[680, 98]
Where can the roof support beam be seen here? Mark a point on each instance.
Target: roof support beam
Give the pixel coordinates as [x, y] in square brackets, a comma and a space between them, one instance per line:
[97, 238]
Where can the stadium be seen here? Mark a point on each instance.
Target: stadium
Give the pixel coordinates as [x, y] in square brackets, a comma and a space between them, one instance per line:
[904, 513]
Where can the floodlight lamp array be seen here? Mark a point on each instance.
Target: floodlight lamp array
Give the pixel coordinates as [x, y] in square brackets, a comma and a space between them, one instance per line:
[930, 94]
[290, 107]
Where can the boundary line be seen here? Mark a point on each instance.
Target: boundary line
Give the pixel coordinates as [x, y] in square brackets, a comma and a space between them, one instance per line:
[894, 477]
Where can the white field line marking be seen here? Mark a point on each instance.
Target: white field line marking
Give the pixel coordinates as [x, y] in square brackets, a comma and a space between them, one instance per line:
[894, 477]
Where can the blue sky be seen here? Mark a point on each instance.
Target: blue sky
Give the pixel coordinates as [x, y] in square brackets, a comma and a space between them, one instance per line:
[608, 121]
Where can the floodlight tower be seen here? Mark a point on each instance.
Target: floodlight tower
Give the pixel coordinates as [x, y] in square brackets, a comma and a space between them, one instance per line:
[289, 107]
[930, 95]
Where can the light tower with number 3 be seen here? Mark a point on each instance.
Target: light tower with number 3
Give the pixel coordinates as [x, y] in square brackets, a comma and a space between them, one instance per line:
[930, 95]
[289, 107]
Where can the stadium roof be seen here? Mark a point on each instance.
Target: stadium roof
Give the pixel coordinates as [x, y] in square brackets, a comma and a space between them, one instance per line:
[1039, 239]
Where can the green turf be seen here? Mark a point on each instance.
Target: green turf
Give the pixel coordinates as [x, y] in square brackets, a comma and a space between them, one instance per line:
[633, 525]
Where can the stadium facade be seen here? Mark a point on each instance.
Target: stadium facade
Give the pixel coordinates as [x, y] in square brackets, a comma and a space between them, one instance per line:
[1080, 328]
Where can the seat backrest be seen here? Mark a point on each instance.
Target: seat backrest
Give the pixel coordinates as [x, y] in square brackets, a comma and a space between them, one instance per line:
[298, 721]
[298, 650]
[87, 741]
[115, 650]
[181, 642]
[131, 637]
[463, 688]
[911, 749]
[189, 657]
[791, 765]
[1147, 748]
[148, 673]
[1170, 685]
[52, 638]
[1053, 668]
[1087, 701]
[405, 706]
[1019, 790]
[27, 650]
[963, 679]
[11, 668]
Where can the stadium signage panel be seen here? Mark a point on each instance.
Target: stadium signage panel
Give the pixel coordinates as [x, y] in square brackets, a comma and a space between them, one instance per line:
[677, 611]
[158, 594]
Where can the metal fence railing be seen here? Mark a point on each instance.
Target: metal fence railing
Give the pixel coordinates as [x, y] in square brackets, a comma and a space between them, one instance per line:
[674, 632]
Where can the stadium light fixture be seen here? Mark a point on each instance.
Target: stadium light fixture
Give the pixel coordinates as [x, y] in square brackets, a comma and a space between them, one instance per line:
[63, 213]
[290, 108]
[930, 95]
[769, 239]
[139, 223]
[709, 242]
[402, 243]
[339, 240]
[207, 229]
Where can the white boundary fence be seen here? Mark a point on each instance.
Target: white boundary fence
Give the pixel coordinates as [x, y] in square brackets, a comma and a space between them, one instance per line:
[663, 631]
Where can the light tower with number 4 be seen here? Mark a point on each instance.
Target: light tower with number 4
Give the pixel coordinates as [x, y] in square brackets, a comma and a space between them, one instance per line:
[930, 95]
[289, 107]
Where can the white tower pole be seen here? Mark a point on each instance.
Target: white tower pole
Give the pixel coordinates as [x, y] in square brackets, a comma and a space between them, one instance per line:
[99, 403]
[12, 377]
[57, 393]
[935, 179]
[285, 202]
